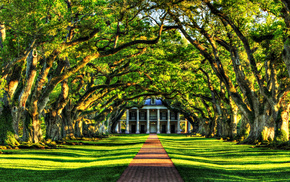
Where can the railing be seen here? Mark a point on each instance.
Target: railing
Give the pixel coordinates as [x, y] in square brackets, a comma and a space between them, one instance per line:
[153, 117]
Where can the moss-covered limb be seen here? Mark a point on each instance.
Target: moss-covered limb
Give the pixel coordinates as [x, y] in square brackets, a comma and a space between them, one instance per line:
[13, 80]
[7, 135]
[30, 77]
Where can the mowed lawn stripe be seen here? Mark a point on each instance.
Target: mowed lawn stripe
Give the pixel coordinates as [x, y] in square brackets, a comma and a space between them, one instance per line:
[209, 159]
[102, 160]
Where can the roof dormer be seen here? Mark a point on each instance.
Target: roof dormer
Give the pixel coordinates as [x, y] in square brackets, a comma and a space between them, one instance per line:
[153, 101]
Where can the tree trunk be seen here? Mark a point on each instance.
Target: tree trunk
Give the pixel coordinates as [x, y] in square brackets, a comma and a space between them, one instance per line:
[53, 126]
[219, 127]
[213, 127]
[282, 123]
[225, 123]
[68, 128]
[261, 129]
[26, 128]
[244, 129]
[15, 122]
[115, 117]
[54, 120]
[225, 128]
[194, 123]
[68, 124]
[234, 120]
[79, 128]
[30, 77]
[36, 129]
[204, 128]
[7, 136]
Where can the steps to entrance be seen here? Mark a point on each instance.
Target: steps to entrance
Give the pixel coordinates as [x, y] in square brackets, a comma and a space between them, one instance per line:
[151, 164]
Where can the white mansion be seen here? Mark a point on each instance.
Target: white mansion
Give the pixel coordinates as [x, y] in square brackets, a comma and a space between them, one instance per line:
[153, 117]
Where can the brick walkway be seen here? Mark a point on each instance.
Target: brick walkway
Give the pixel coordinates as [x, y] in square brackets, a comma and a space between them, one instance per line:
[151, 164]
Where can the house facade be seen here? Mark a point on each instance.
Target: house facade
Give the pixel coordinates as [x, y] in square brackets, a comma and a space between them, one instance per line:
[153, 117]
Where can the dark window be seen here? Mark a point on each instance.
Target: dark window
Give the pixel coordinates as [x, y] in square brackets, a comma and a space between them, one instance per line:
[173, 115]
[132, 116]
[153, 115]
[163, 115]
[142, 115]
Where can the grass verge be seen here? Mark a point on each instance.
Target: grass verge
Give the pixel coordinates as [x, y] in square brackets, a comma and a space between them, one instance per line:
[208, 159]
[102, 160]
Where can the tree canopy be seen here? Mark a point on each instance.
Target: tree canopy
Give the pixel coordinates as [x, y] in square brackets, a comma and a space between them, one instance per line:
[224, 65]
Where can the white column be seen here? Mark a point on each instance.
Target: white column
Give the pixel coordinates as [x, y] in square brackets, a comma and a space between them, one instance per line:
[178, 122]
[120, 127]
[148, 115]
[188, 126]
[137, 130]
[117, 128]
[158, 121]
[127, 122]
[168, 122]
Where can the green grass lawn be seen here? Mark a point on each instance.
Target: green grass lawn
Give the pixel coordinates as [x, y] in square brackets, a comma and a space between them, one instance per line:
[196, 158]
[204, 159]
[102, 162]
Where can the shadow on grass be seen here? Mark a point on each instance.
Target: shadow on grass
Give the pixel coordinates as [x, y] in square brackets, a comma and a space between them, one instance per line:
[178, 137]
[96, 150]
[112, 142]
[224, 153]
[209, 159]
[110, 173]
[212, 174]
[118, 144]
[206, 160]
[108, 158]
[111, 157]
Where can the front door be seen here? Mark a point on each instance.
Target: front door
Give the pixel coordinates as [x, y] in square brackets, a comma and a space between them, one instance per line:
[153, 128]
[133, 128]
[172, 128]
[163, 129]
[142, 128]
